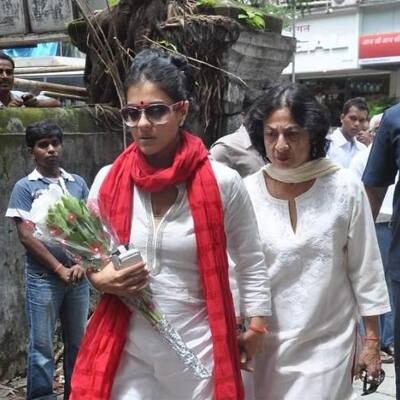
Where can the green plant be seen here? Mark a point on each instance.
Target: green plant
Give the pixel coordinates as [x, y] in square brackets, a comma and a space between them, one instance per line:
[207, 3]
[112, 2]
[253, 19]
[168, 45]
[378, 106]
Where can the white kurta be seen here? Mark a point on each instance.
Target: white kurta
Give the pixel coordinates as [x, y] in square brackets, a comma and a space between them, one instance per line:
[322, 278]
[149, 369]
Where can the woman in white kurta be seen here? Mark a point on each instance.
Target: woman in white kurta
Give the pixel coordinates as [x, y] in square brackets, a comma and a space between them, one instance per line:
[163, 227]
[169, 250]
[323, 260]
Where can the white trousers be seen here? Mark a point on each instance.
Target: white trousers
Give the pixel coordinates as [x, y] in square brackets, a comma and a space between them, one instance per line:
[150, 370]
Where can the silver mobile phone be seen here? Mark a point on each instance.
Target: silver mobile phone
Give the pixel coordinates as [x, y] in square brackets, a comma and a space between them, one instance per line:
[125, 257]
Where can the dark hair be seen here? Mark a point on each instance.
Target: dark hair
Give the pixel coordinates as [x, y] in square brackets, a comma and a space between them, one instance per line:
[249, 98]
[305, 111]
[4, 56]
[358, 102]
[171, 73]
[41, 130]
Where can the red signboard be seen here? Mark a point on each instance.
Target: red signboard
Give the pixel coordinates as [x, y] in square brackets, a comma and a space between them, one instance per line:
[379, 45]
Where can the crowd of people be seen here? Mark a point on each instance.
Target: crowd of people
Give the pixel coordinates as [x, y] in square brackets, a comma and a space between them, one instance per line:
[269, 267]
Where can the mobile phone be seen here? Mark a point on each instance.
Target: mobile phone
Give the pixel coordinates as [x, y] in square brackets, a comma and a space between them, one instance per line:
[125, 257]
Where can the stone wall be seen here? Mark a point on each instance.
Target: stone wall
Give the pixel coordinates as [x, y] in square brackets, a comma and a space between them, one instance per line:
[86, 149]
[258, 58]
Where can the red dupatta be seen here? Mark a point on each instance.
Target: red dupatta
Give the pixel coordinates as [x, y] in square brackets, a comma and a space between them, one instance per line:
[105, 336]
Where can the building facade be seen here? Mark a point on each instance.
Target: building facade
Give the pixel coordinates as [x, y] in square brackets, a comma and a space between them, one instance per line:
[348, 48]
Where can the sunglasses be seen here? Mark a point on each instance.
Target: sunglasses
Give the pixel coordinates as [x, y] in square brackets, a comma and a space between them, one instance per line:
[156, 114]
[370, 386]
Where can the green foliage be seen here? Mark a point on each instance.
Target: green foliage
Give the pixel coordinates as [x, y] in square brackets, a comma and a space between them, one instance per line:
[169, 45]
[112, 2]
[274, 9]
[378, 106]
[253, 19]
[73, 205]
[284, 10]
[249, 15]
[207, 3]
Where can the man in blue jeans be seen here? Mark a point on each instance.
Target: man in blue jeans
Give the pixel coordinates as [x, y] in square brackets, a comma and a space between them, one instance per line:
[55, 286]
[382, 167]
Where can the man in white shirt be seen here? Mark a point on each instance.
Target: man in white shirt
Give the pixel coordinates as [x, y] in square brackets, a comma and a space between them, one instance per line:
[15, 98]
[344, 144]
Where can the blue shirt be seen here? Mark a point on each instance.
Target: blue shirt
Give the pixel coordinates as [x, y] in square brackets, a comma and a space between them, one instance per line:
[382, 167]
[26, 190]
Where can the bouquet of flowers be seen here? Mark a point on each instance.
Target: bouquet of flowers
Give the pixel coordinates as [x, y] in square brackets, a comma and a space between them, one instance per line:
[63, 220]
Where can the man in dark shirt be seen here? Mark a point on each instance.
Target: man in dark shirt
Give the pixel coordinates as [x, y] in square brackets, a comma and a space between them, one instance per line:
[380, 172]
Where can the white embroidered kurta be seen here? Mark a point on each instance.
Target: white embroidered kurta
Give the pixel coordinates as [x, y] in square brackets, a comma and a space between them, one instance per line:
[322, 278]
[149, 369]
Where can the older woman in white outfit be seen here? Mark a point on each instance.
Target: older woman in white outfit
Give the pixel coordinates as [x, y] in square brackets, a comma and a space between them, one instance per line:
[322, 256]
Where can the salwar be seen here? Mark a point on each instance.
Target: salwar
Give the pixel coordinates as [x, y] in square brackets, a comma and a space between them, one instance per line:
[150, 370]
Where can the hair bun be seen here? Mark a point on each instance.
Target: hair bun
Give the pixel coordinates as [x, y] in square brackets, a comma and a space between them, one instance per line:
[186, 70]
[179, 61]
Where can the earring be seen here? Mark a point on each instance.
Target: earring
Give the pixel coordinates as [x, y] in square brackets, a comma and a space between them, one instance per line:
[181, 123]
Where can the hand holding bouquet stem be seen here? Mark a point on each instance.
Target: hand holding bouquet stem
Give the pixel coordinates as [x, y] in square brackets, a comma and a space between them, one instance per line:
[68, 222]
[120, 282]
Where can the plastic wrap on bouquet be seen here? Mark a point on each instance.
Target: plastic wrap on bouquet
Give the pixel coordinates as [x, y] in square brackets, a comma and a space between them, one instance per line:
[144, 303]
[61, 219]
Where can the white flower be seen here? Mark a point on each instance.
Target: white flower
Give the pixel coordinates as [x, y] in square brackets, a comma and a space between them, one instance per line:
[41, 205]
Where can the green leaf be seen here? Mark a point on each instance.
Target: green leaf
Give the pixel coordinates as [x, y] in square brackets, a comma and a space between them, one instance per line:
[259, 21]
[168, 45]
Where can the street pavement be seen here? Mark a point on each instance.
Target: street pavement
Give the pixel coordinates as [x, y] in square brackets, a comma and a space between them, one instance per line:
[386, 390]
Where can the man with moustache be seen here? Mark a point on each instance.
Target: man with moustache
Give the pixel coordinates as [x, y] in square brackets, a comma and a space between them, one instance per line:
[55, 284]
[344, 144]
[16, 98]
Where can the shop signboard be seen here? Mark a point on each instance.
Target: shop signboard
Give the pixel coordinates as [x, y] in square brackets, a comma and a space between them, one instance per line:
[322, 47]
[12, 19]
[379, 48]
